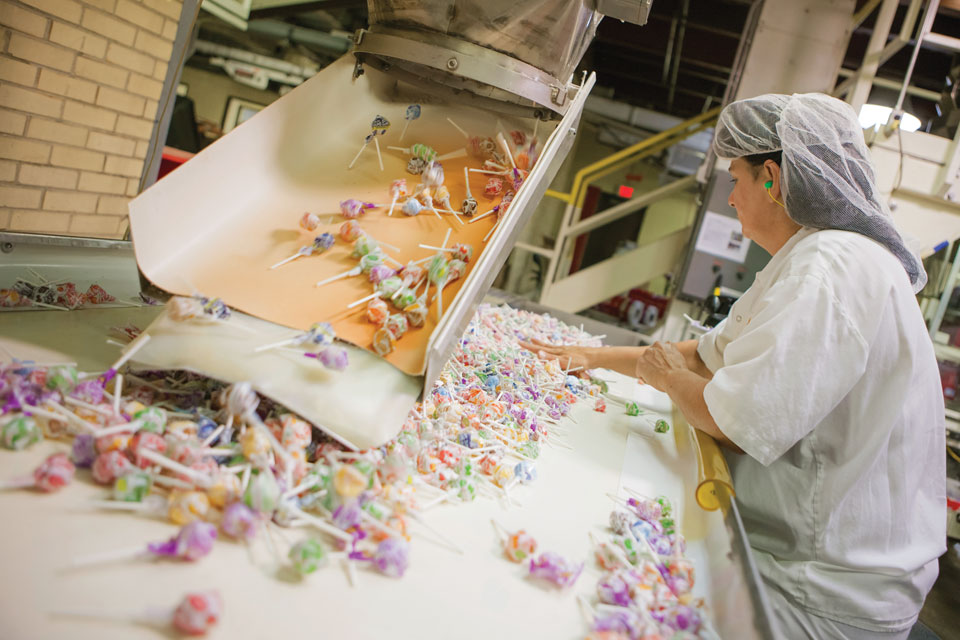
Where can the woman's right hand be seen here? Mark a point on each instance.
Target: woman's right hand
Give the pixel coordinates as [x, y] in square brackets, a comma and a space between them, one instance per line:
[570, 357]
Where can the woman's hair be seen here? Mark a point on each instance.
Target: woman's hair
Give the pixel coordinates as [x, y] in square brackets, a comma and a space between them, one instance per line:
[757, 160]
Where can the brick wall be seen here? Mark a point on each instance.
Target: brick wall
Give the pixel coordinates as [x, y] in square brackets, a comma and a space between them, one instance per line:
[79, 84]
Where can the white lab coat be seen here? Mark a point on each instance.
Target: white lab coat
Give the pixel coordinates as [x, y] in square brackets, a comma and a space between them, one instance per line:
[825, 376]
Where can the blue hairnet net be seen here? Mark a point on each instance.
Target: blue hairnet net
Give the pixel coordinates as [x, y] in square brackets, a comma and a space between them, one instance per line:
[827, 177]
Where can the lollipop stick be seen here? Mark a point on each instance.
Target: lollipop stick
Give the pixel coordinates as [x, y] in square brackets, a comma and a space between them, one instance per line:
[482, 215]
[362, 300]
[135, 346]
[492, 229]
[103, 557]
[274, 345]
[492, 173]
[404, 132]
[446, 239]
[459, 153]
[392, 203]
[352, 272]
[17, 483]
[357, 157]
[427, 246]
[404, 149]
[117, 390]
[458, 128]
[322, 525]
[201, 479]
[466, 181]
[376, 143]
[286, 260]
[506, 147]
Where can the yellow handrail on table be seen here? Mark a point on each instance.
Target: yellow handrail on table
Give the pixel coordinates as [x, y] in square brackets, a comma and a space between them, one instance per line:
[714, 484]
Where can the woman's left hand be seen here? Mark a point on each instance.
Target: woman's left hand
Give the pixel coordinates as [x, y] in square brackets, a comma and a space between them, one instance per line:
[657, 362]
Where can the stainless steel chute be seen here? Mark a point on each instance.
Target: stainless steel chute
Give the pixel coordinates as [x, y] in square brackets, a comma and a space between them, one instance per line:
[514, 57]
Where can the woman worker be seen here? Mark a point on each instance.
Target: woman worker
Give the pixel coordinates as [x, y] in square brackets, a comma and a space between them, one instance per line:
[821, 383]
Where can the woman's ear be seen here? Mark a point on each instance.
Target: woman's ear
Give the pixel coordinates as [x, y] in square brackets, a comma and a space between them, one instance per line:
[771, 174]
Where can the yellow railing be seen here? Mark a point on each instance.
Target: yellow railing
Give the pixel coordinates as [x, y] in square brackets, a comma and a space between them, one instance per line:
[642, 149]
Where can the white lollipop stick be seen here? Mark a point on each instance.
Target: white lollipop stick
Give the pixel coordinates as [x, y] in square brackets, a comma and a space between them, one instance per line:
[151, 504]
[459, 153]
[201, 479]
[281, 343]
[466, 181]
[404, 132]
[91, 407]
[446, 239]
[213, 436]
[320, 524]
[492, 173]
[117, 391]
[427, 246]
[18, 483]
[404, 149]
[357, 157]
[286, 260]
[135, 346]
[384, 244]
[113, 555]
[447, 541]
[459, 128]
[395, 197]
[120, 428]
[506, 147]
[490, 233]
[37, 303]
[61, 417]
[352, 272]
[362, 300]
[483, 215]
[379, 157]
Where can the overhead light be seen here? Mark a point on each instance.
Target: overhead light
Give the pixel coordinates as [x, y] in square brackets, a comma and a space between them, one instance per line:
[873, 116]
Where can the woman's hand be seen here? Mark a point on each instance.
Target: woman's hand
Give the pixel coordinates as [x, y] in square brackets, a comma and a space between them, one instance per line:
[657, 362]
[570, 357]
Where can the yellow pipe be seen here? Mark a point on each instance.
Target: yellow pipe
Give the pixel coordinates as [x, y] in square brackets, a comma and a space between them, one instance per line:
[640, 146]
[566, 197]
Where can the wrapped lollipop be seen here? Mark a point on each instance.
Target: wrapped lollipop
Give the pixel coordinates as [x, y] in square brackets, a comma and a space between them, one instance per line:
[517, 546]
[493, 188]
[415, 166]
[404, 297]
[378, 127]
[352, 209]
[309, 221]
[201, 308]
[391, 557]
[320, 244]
[416, 314]
[239, 521]
[411, 207]
[377, 311]
[19, 432]
[333, 357]
[319, 333]
[433, 175]
[380, 273]
[555, 568]
[463, 251]
[398, 191]
[481, 147]
[308, 555]
[411, 114]
[396, 324]
[419, 151]
[350, 231]
[192, 542]
[469, 205]
[53, 474]
[382, 342]
[195, 615]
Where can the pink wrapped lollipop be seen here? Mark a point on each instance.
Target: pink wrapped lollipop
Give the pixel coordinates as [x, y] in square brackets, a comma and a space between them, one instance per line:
[380, 273]
[396, 324]
[517, 546]
[309, 222]
[555, 568]
[463, 251]
[239, 521]
[350, 231]
[53, 474]
[398, 191]
[195, 615]
[352, 209]
[110, 465]
[493, 188]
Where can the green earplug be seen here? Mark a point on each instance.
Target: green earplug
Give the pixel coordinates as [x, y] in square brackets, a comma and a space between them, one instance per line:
[768, 184]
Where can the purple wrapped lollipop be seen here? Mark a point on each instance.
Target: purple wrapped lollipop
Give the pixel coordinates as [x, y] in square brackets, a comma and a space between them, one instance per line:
[239, 521]
[391, 557]
[334, 357]
[614, 589]
[84, 450]
[555, 568]
[192, 542]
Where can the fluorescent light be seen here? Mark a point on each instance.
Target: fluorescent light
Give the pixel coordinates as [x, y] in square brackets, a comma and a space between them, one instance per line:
[873, 116]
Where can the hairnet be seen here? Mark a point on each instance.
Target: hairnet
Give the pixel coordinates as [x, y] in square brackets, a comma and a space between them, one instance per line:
[827, 177]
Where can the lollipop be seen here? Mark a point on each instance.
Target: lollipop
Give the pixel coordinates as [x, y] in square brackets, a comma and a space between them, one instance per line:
[391, 557]
[555, 568]
[346, 274]
[380, 273]
[433, 175]
[195, 615]
[334, 357]
[398, 191]
[378, 127]
[350, 231]
[110, 465]
[309, 222]
[377, 311]
[419, 151]
[308, 555]
[411, 207]
[632, 408]
[469, 205]
[262, 493]
[493, 188]
[320, 244]
[132, 487]
[518, 546]
[192, 542]
[53, 474]
[415, 166]
[396, 324]
[319, 333]
[404, 297]
[239, 521]
[19, 432]
[382, 342]
[352, 209]
[463, 251]
[412, 113]
[416, 314]
[371, 261]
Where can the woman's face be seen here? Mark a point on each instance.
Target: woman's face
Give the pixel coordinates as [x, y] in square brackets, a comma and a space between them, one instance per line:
[749, 197]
